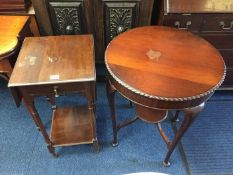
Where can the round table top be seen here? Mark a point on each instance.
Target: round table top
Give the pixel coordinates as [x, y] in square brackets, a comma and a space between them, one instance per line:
[165, 63]
[8, 44]
[10, 27]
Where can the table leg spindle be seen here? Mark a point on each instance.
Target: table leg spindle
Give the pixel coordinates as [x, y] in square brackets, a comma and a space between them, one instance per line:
[111, 99]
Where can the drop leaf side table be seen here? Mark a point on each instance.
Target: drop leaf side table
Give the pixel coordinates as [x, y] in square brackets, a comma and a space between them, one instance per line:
[53, 66]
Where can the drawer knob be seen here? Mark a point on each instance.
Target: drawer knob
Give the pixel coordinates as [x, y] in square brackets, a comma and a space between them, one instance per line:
[55, 90]
[224, 26]
[178, 25]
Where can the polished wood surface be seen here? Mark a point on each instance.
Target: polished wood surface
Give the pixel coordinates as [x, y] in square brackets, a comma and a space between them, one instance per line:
[162, 69]
[42, 17]
[199, 6]
[104, 19]
[50, 62]
[5, 67]
[150, 115]
[71, 126]
[171, 63]
[10, 27]
[31, 13]
[210, 19]
[8, 44]
[14, 5]
[114, 17]
[13, 30]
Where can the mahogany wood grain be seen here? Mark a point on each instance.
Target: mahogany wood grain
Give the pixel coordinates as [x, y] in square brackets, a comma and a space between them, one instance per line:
[51, 55]
[199, 6]
[170, 63]
[5, 66]
[14, 5]
[10, 28]
[13, 29]
[150, 115]
[156, 103]
[54, 66]
[210, 19]
[42, 17]
[71, 126]
[31, 13]
[161, 69]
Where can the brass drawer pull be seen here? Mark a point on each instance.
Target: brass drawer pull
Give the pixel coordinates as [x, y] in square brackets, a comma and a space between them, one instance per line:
[178, 25]
[55, 90]
[224, 27]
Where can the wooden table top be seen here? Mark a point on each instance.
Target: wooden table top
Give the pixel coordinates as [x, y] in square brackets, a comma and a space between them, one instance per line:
[10, 27]
[54, 59]
[164, 63]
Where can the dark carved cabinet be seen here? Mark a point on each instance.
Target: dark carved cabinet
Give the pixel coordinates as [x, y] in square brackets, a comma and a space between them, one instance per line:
[105, 19]
[70, 17]
[119, 17]
[66, 17]
[210, 19]
[114, 17]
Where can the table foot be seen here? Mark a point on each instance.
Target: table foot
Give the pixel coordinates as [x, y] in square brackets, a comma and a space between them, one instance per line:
[52, 150]
[166, 164]
[96, 146]
[115, 144]
[190, 116]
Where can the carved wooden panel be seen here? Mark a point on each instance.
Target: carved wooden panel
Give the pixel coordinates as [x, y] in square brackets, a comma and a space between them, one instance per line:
[67, 17]
[119, 17]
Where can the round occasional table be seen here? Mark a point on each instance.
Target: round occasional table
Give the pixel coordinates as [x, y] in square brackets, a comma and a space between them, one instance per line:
[162, 69]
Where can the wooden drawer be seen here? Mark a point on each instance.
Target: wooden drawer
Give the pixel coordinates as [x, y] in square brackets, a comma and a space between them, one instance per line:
[220, 41]
[55, 89]
[217, 23]
[228, 57]
[187, 22]
[14, 5]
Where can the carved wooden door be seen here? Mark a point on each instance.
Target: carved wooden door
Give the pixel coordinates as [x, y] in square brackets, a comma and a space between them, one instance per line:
[116, 16]
[71, 17]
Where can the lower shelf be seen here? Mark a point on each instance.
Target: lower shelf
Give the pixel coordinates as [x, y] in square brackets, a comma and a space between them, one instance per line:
[72, 126]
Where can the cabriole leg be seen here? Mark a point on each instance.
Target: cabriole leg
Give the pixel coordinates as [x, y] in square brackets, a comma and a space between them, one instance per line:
[190, 116]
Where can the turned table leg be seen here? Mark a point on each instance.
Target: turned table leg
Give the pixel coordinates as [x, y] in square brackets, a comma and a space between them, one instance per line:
[90, 91]
[175, 119]
[51, 100]
[190, 116]
[35, 116]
